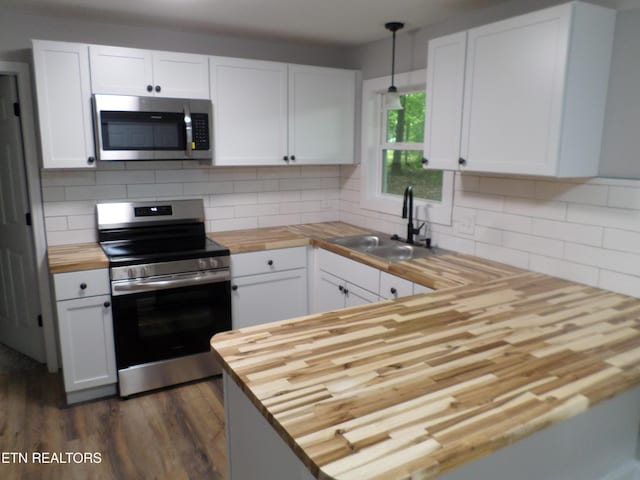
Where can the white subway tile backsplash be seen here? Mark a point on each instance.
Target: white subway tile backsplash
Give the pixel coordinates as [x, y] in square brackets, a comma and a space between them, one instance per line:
[53, 194]
[55, 224]
[482, 201]
[317, 217]
[95, 192]
[57, 209]
[155, 190]
[72, 236]
[620, 282]
[571, 232]
[278, 220]
[458, 244]
[599, 257]
[517, 258]
[179, 176]
[622, 240]
[536, 208]
[504, 221]
[507, 186]
[572, 192]
[81, 222]
[467, 183]
[624, 197]
[207, 188]
[225, 174]
[488, 235]
[154, 165]
[232, 224]
[121, 177]
[269, 173]
[243, 186]
[217, 213]
[533, 244]
[277, 197]
[623, 219]
[563, 269]
[233, 199]
[67, 178]
[301, 207]
[256, 210]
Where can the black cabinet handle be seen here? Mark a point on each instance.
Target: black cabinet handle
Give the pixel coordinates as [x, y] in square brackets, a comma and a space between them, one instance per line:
[425, 161]
[91, 159]
[346, 291]
[341, 288]
[270, 263]
[293, 158]
[107, 304]
[393, 291]
[158, 88]
[462, 161]
[234, 287]
[149, 88]
[83, 286]
[286, 158]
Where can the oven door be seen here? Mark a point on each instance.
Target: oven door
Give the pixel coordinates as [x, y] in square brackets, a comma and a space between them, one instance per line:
[169, 316]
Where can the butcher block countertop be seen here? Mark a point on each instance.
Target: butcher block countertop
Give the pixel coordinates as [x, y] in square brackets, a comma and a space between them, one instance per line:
[423, 384]
[77, 256]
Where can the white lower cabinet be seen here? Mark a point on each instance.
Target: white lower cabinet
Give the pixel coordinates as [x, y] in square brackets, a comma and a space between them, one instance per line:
[268, 286]
[86, 334]
[392, 286]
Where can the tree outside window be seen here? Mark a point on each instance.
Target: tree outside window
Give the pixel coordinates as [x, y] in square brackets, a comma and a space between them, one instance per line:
[401, 151]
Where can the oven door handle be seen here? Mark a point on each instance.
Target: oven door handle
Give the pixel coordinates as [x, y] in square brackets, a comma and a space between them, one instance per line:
[128, 287]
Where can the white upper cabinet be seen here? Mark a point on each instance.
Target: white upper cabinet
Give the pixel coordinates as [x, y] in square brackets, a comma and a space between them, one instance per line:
[250, 111]
[131, 71]
[269, 113]
[63, 94]
[321, 114]
[535, 89]
[445, 88]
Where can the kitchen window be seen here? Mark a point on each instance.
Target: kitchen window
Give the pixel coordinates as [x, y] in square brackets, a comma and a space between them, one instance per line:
[393, 142]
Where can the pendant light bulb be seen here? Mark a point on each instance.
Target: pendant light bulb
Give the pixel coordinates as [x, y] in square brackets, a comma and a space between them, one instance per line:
[392, 98]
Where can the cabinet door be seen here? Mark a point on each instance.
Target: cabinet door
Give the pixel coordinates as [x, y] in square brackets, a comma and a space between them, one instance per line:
[445, 88]
[121, 71]
[86, 341]
[181, 75]
[329, 292]
[250, 108]
[417, 288]
[392, 286]
[358, 296]
[64, 104]
[321, 115]
[269, 297]
[514, 83]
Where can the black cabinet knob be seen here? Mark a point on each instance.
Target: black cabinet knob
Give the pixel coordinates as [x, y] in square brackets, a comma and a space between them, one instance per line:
[234, 287]
[158, 88]
[341, 288]
[346, 291]
[425, 161]
[286, 158]
[270, 263]
[83, 286]
[107, 304]
[149, 88]
[393, 291]
[91, 159]
[462, 161]
[293, 158]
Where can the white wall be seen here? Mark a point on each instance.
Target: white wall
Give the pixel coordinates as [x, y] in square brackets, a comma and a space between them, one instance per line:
[587, 231]
[234, 198]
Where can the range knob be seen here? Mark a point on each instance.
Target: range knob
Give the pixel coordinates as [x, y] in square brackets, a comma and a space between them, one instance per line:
[202, 264]
[143, 272]
[131, 272]
[213, 262]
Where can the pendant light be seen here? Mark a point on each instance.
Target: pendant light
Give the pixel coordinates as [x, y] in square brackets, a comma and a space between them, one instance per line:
[392, 98]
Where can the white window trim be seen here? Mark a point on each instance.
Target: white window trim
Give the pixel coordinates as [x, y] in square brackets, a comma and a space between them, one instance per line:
[370, 196]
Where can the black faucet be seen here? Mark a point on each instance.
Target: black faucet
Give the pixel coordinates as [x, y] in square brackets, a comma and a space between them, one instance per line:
[407, 212]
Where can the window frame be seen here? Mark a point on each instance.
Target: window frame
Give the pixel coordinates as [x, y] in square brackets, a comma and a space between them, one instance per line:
[373, 126]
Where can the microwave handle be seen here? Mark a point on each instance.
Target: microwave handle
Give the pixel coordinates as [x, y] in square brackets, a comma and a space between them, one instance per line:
[189, 131]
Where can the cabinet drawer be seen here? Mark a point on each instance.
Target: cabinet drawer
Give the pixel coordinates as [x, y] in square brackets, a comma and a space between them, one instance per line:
[268, 261]
[354, 272]
[392, 286]
[85, 283]
[417, 288]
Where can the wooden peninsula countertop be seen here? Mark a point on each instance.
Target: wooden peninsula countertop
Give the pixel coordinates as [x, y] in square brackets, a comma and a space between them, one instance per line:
[77, 256]
[420, 385]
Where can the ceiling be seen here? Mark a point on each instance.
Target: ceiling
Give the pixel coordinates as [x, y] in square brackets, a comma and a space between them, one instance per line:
[346, 22]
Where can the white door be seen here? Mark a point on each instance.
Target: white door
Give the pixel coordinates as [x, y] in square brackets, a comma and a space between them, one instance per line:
[181, 75]
[358, 296]
[121, 71]
[19, 299]
[445, 87]
[321, 114]
[269, 297]
[329, 293]
[250, 109]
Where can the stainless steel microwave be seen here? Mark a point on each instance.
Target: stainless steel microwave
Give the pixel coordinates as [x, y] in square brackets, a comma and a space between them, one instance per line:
[152, 128]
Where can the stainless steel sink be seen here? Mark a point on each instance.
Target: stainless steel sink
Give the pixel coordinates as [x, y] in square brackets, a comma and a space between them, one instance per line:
[362, 242]
[385, 248]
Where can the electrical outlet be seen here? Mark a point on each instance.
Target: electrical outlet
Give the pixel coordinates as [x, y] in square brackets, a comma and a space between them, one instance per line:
[465, 225]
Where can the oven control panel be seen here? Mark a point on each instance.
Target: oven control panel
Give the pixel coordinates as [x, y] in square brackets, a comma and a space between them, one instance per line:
[169, 268]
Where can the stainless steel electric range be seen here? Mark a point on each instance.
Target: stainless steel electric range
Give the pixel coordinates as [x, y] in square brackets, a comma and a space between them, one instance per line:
[170, 288]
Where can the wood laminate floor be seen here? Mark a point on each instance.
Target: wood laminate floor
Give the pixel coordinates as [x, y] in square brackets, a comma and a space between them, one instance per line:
[177, 433]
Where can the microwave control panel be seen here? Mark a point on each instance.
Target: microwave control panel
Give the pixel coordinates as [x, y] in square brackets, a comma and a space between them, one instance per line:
[200, 125]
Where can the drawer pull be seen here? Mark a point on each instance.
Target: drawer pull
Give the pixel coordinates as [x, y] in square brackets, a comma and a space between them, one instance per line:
[83, 286]
[234, 287]
[393, 291]
[107, 304]
[270, 263]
